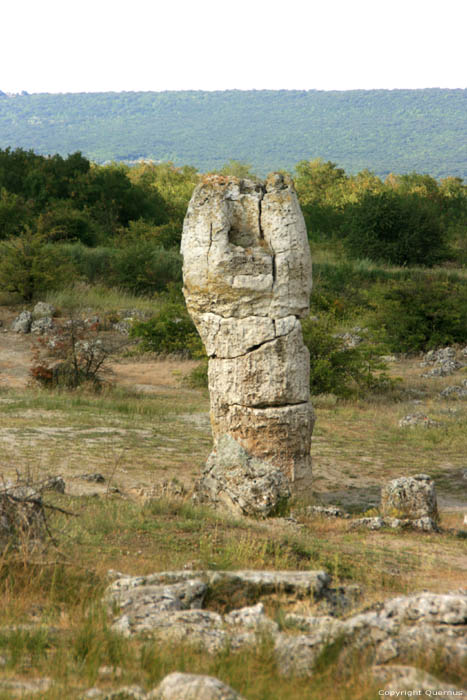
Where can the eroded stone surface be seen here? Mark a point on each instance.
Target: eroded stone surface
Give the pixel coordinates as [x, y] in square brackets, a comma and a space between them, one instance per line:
[22, 323]
[247, 280]
[235, 480]
[189, 686]
[397, 678]
[396, 631]
[403, 628]
[411, 497]
[169, 605]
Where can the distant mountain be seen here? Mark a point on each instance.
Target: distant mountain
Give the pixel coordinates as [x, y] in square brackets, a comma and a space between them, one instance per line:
[382, 130]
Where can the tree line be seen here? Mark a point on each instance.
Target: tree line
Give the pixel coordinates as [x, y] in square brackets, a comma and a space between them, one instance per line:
[385, 130]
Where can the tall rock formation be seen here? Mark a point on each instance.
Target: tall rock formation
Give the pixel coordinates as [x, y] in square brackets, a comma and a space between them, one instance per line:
[247, 281]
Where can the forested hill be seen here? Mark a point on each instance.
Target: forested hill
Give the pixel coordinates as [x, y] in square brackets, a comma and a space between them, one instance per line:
[382, 130]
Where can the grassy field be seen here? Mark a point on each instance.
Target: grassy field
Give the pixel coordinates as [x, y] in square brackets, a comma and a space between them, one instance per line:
[147, 427]
[51, 619]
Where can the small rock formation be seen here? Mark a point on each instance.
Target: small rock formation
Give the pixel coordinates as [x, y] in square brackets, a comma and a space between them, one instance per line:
[22, 323]
[42, 325]
[455, 391]
[444, 362]
[402, 628]
[377, 523]
[415, 419]
[397, 678]
[189, 686]
[247, 281]
[406, 503]
[21, 688]
[42, 310]
[410, 497]
[168, 606]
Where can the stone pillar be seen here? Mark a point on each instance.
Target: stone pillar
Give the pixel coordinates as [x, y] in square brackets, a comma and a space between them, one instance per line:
[247, 281]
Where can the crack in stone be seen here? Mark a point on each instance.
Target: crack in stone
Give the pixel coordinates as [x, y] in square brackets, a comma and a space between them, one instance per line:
[253, 347]
[265, 406]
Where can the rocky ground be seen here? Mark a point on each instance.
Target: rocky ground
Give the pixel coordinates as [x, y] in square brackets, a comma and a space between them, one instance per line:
[158, 451]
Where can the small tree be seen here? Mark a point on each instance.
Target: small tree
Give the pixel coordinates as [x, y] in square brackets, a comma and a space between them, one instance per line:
[396, 228]
[422, 314]
[29, 267]
[76, 355]
[337, 369]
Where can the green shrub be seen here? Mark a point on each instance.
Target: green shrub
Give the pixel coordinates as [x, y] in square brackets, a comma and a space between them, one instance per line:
[170, 332]
[29, 267]
[198, 377]
[396, 228]
[423, 313]
[336, 369]
[91, 264]
[142, 268]
[14, 214]
[62, 222]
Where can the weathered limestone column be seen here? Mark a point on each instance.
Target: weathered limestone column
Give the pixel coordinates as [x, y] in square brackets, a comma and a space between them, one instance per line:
[247, 281]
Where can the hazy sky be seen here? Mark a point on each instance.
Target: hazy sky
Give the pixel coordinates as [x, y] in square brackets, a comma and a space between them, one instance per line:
[100, 45]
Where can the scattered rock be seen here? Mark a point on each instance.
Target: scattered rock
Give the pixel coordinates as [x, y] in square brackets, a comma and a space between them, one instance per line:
[296, 583]
[352, 338]
[325, 511]
[131, 692]
[373, 523]
[16, 687]
[455, 391]
[377, 523]
[42, 325]
[94, 477]
[252, 617]
[142, 605]
[123, 326]
[402, 678]
[93, 693]
[401, 629]
[188, 686]
[415, 419]
[444, 360]
[42, 309]
[410, 497]
[247, 280]
[241, 483]
[55, 483]
[444, 370]
[92, 321]
[22, 323]
[169, 604]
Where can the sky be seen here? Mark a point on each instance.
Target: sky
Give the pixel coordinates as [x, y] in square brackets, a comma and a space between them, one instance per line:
[110, 45]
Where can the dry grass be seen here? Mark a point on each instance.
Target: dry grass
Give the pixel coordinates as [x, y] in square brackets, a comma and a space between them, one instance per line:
[66, 634]
[137, 439]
